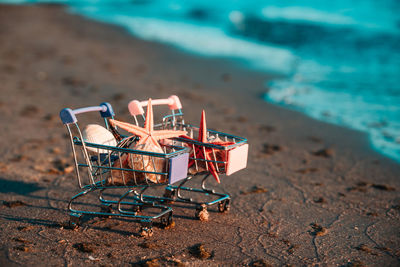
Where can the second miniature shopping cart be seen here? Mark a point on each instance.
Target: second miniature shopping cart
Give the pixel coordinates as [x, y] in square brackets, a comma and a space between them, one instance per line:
[226, 154]
[113, 166]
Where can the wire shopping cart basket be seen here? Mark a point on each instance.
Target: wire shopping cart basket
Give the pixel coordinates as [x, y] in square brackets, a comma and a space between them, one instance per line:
[213, 154]
[104, 164]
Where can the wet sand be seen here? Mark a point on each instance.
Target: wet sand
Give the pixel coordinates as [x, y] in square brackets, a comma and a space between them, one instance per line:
[312, 194]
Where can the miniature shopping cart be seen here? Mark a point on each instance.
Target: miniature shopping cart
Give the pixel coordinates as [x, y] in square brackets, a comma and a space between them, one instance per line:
[103, 167]
[226, 159]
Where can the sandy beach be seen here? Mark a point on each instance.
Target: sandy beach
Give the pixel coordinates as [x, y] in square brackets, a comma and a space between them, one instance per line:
[312, 193]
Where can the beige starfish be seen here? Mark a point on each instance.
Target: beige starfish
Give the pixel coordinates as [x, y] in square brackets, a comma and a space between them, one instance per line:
[147, 134]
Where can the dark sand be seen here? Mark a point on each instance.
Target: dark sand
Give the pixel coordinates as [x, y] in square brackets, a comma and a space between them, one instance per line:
[340, 206]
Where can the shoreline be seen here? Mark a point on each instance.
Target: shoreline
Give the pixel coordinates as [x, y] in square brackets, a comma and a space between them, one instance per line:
[313, 173]
[331, 115]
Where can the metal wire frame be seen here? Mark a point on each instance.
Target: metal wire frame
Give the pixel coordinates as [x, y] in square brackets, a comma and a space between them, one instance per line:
[100, 165]
[173, 193]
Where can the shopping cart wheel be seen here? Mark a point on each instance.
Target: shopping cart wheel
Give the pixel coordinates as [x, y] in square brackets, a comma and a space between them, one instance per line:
[74, 220]
[147, 228]
[137, 208]
[202, 213]
[166, 220]
[106, 209]
[170, 193]
[224, 205]
[146, 232]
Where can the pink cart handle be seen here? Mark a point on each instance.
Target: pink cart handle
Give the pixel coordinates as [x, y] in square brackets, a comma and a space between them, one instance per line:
[136, 107]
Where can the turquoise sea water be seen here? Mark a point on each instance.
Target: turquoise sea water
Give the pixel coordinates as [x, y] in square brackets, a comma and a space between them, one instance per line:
[340, 62]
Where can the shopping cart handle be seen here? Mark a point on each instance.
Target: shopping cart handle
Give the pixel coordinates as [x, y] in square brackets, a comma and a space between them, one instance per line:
[68, 115]
[136, 107]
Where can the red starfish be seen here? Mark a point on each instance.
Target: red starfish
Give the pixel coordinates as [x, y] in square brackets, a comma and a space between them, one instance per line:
[147, 134]
[201, 152]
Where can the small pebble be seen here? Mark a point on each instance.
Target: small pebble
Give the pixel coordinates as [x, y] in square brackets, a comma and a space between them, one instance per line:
[320, 200]
[148, 245]
[21, 240]
[29, 111]
[269, 149]
[24, 248]
[325, 153]
[366, 249]
[85, 247]
[55, 150]
[260, 263]
[200, 251]
[13, 204]
[152, 263]
[255, 190]
[318, 230]
[25, 228]
[383, 187]
[307, 170]
[204, 216]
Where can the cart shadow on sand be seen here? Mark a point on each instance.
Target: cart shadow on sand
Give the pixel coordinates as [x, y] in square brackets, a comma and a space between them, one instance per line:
[23, 189]
[18, 187]
[27, 189]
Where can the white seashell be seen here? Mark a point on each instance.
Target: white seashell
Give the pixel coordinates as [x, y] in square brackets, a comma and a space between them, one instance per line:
[97, 134]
